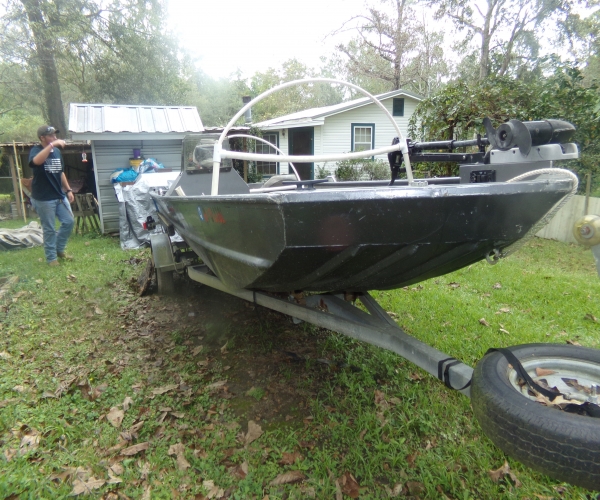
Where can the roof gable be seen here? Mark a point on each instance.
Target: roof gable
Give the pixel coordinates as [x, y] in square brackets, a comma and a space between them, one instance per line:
[325, 111]
[112, 118]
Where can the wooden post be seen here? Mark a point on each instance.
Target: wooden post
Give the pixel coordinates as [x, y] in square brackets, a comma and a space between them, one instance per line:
[588, 187]
[18, 169]
[15, 182]
[245, 161]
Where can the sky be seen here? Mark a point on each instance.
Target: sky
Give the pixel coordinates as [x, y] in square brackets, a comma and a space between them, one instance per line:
[254, 35]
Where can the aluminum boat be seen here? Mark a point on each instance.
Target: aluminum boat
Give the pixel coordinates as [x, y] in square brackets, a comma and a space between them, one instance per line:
[324, 235]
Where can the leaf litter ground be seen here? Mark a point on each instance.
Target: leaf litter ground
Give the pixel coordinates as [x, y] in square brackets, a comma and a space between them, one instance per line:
[203, 395]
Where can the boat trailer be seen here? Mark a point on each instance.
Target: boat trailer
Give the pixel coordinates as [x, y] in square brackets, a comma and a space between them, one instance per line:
[336, 312]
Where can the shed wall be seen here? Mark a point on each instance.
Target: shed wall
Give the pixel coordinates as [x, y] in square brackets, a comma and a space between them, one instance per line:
[111, 155]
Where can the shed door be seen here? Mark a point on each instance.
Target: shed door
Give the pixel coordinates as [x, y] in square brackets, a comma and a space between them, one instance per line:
[301, 142]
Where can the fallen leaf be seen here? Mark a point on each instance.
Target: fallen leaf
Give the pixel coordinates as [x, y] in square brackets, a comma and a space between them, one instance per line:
[113, 479]
[127, 402]
[116, 469]
[213, 490]
[290, 458]
[98, 311]
[216, 385]
[116, 447]
[591, 317]
[454, 284]
[542, 372]
[349, 485]
[5, 355]
[502, 472]
[196, 350]
[504, 310]
[254, 432]
[338, 491]
[162, 390]
[115, 416]
[98, 391]
[29, 442]
[179, 451]
[144, 470]
[415, 488]
[484, 322]
[573, 342]
[147, 492]
[396, 490]
[135, 449]
[497, 286]
[293, 476]
[239, 471]
[86, 487]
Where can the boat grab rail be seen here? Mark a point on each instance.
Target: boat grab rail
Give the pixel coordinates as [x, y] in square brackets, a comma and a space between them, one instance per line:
[220, 153]
[260, 139]
[551, 213]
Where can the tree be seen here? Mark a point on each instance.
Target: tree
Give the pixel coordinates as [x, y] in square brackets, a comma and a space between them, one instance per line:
[292, 99]
[114, 51]
[507, 29]
[457, 111]
[393, 49]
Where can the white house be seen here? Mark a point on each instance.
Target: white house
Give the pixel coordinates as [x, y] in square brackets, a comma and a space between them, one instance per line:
[350, 126]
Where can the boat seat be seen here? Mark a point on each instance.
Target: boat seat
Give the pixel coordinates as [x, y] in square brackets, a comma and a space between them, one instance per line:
[277, 180]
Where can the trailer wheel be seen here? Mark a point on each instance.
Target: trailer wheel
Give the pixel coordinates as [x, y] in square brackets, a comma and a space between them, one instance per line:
[565, 446]
[165, 282]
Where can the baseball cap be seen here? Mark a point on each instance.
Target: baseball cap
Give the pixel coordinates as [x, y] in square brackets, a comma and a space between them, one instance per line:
[46, 130]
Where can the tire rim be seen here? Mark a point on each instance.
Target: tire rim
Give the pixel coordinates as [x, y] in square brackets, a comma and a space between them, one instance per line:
[575, 379]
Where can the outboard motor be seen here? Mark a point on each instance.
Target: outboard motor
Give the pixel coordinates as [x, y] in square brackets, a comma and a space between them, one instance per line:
[525, 135]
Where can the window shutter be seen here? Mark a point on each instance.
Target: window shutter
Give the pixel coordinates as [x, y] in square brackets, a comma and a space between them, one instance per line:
[398, 107]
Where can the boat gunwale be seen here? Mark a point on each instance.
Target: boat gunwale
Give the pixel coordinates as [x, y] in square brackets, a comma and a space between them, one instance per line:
[381, 192]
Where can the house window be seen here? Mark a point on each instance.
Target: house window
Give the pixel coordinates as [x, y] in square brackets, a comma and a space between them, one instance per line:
[398, 107]
[363, 136]
[267, 167]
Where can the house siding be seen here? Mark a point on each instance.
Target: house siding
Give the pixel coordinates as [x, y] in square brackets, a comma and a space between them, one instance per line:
[337, 131]
[335, 135]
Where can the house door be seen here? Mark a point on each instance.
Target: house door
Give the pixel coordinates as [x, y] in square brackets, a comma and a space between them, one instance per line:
[301, 142]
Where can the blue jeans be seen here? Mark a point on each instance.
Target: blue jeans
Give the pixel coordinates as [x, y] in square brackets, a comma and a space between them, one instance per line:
[54, 241]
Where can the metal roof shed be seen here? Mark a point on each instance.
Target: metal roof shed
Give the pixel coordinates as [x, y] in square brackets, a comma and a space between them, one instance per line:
[116, 130]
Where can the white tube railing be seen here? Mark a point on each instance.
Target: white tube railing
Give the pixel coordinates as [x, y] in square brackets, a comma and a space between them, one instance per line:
[220, 153]
[260, 139]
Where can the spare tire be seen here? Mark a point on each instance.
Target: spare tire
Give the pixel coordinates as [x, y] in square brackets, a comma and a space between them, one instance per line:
[565, 446]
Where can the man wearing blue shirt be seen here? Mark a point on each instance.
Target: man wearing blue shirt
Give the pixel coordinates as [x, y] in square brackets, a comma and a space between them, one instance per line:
[51, 195]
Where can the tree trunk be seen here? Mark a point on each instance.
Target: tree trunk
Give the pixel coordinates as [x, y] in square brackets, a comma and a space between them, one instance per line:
[484, 60]
[44, 55]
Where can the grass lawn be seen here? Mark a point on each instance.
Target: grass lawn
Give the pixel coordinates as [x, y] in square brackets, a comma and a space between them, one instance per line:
[107, 394]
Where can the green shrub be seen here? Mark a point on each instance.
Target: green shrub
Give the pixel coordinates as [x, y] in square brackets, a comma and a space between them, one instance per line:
[321, 173]
[253, 175]
[361, 169]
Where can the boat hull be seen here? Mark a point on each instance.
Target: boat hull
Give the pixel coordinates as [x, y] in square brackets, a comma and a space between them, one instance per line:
[356, 239]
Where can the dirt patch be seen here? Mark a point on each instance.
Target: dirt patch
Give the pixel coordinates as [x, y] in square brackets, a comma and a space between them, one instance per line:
[272, 368]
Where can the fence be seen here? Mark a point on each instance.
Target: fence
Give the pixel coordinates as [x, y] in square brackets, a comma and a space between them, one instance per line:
[561, 226]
